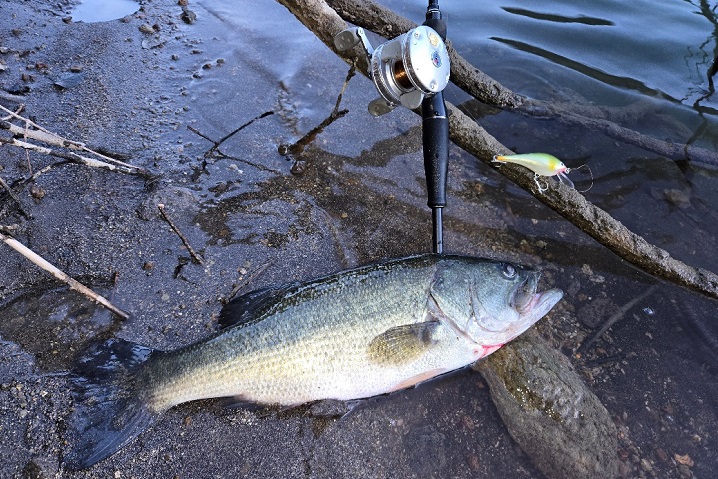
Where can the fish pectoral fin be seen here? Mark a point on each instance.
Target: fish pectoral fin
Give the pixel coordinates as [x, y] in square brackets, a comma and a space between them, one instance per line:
[402, 344]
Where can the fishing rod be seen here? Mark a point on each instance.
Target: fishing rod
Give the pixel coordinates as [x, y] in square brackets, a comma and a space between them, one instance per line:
[412, 70]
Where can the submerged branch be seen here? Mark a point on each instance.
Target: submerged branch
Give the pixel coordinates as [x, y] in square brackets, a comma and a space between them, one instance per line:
[324, 22]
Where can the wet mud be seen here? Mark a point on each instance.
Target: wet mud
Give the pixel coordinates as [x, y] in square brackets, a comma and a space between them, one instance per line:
[132, 86]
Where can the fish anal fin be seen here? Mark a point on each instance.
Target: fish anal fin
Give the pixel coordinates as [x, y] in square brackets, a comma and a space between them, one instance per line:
[402, 344]
[414, 380]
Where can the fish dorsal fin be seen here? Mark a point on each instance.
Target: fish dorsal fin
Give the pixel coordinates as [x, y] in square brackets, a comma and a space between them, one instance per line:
[246, 307]
[402, 344]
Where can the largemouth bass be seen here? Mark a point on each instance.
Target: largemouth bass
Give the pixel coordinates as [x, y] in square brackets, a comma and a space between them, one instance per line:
[353, 334]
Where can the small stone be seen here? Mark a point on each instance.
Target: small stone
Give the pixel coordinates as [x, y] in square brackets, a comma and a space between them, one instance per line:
[37, 192]
[146, 28]
[474, 463]
[684, 459]
[76, 68]
[188, 16]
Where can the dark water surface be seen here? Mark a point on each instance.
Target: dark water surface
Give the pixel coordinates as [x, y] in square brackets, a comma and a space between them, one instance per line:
[362, 199]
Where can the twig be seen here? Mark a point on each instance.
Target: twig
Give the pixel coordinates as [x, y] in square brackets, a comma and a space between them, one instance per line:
[296, 148]
[19, 110]
[197, 258]
[57, 273]
[14, 197]
[216, 144]
[73, 157]
[45, 136]
[42, 171]
[614, 318]
[197, 132]
[227, 137]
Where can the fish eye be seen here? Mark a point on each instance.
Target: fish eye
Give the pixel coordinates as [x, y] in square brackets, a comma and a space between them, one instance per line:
[508, 270]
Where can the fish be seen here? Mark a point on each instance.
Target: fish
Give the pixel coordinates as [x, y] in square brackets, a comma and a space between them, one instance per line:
[354, 334]
[542, 164]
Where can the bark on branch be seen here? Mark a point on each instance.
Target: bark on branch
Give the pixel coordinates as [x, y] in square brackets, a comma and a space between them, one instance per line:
[325, 22]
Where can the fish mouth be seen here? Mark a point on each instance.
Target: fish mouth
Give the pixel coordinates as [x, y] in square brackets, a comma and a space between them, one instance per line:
[536, 305]
[524, 297]
[529, 303]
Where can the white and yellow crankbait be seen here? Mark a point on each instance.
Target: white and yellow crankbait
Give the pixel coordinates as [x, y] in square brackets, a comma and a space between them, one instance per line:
[542, 164]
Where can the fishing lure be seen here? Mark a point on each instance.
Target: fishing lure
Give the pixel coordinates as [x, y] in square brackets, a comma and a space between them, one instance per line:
[542, 164]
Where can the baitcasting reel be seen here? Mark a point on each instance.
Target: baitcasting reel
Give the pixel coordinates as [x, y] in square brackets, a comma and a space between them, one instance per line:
[404, 70]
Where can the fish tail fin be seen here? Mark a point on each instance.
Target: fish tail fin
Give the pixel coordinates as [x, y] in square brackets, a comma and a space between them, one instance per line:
[111, 402]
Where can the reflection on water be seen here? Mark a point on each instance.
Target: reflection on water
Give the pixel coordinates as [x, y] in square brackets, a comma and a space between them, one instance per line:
[103, 10]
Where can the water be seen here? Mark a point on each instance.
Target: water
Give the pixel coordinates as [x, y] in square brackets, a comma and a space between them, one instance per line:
[646, 63]
[103, 10]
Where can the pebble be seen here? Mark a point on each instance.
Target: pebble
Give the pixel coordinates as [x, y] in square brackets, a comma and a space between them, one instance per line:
[146, 28]
[188, 16]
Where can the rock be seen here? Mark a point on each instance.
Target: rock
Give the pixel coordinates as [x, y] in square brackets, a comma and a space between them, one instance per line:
[550, 412]
[188, 16]
[68, 80]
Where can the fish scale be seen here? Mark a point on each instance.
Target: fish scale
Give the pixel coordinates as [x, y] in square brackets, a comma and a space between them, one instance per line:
[293, 352]
[351, 335]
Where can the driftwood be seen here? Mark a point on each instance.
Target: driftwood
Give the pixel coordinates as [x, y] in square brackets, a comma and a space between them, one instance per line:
[325, 23]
